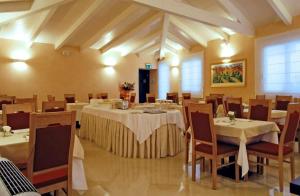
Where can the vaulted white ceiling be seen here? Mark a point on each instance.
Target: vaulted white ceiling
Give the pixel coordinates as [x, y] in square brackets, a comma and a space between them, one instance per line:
[137, 26]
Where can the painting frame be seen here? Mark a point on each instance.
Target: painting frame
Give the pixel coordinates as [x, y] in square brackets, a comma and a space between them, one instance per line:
[239, 78]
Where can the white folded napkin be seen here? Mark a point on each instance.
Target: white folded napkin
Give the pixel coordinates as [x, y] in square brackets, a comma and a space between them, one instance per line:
[20, 131]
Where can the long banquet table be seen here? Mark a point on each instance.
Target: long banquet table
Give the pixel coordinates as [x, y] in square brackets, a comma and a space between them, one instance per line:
[133, 133]
[16, 149]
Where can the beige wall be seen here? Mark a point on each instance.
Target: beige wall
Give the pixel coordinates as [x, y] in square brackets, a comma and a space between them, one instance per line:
[50, 72]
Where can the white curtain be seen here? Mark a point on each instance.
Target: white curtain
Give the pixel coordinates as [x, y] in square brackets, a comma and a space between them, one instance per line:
[163, 80]
[278, 64]
[191, 76]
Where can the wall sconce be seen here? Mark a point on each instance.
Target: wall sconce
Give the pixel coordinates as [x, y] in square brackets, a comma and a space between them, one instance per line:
[175, 61]
[226, 49]
[19, 66]
[175, 71]
[109, 70]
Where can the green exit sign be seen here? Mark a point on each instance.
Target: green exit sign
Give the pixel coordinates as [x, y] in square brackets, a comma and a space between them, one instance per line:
[148, 66]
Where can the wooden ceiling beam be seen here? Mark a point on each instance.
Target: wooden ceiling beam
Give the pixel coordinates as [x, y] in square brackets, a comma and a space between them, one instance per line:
[15, 5]
[281, 11]
[80, 22]
[146, 40]
[177, 40]
[164, 33]
[196, 14]
[150, 49]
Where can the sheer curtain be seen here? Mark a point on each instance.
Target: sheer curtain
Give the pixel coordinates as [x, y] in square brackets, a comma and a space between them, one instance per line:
[191, 76]
[278, 65]
[163, 80]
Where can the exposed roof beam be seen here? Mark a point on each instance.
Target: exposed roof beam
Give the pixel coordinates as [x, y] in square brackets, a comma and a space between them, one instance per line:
[281, 11]
[164, 33]
[151, 49]
[42, 21]
[126, 36]
[38, 6]
[218, 31]
[196, 14]
[85, 16]
[177, 40]
[189, 31]
[97, 36]
[15, 5]
[150, 38]
[171, 49]
[235, 12]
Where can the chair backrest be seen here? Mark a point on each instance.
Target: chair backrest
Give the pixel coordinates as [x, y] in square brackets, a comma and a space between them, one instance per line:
[53, 106]
[185, 104]
[218, 96]
[102, 96]
[51, 143]
[235, 105]
[202, 125]
[32, 100]
[296, 100]
[17, 115]
[288, 133]
[6, 100]
[282, 102]
[132, 97]
[173, 97]
[260, 96]
[214, 103]
[70, 98]
[90, 96]
[260, 109]
[186, 96]
[50, 98]
[150, 98]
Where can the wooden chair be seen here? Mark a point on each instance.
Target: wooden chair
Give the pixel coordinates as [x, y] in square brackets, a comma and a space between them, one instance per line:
[102, 96]
[6, 100]
[282, 102]
[186, 96]
[205, 143]
[285, 149]
[150, 98]
[218, 96]
[17, 115]
[186, 118]
[132, 97]
[49, 166]
[235, 105]
[173, 97]
[53, 106]
[260, 109]
[70, 98]
[214, 103]
[260, 96]
[90, 96]
[296, 100]
[32, 100]
[50, 98]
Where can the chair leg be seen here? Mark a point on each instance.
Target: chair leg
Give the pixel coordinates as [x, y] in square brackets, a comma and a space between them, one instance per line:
[237, 170]
[203, 164]
[214, 174]
[281, 177]
[187, 142]
[193, 165]
[292, 159]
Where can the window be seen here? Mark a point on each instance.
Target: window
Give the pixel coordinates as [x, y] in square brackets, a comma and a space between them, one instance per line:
[281, 68]
[191, 76]
[163, 80]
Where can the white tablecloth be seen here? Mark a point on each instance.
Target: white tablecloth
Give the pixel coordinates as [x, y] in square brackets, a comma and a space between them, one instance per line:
[244, 132]
[76, 107]
[78, 180]
[141, 124]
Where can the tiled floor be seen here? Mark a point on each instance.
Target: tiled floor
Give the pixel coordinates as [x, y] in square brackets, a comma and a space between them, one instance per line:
[111, 175]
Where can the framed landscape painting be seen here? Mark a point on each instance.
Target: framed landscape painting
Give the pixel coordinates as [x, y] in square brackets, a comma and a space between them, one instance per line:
[228, 74]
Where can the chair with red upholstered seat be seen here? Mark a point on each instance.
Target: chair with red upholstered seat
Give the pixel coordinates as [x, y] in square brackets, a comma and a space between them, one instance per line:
[6, 100]
[205, 143]
[70, 98]
[186, 96]
[49, 166]
[17, 115]
[90, 96]
[285, 149]
[260, 96]
[53, 106]
[102, 96]
[282, 102]
[150, 98]
[173, 97]
[132, 97]
[214, 103]
[260, 109]
[51, 98]
[218, 97]
[32, 100]
[235, 105]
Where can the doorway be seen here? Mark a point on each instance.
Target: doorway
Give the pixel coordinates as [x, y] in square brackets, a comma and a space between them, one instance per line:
[144, 84]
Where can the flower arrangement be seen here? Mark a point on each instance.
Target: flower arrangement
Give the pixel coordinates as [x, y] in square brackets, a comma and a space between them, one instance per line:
[127, 86]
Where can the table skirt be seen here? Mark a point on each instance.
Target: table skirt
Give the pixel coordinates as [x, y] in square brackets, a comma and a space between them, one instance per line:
[114, 137]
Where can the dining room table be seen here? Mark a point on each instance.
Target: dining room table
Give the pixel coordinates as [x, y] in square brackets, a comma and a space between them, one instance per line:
[77, 106]
[15, 147]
